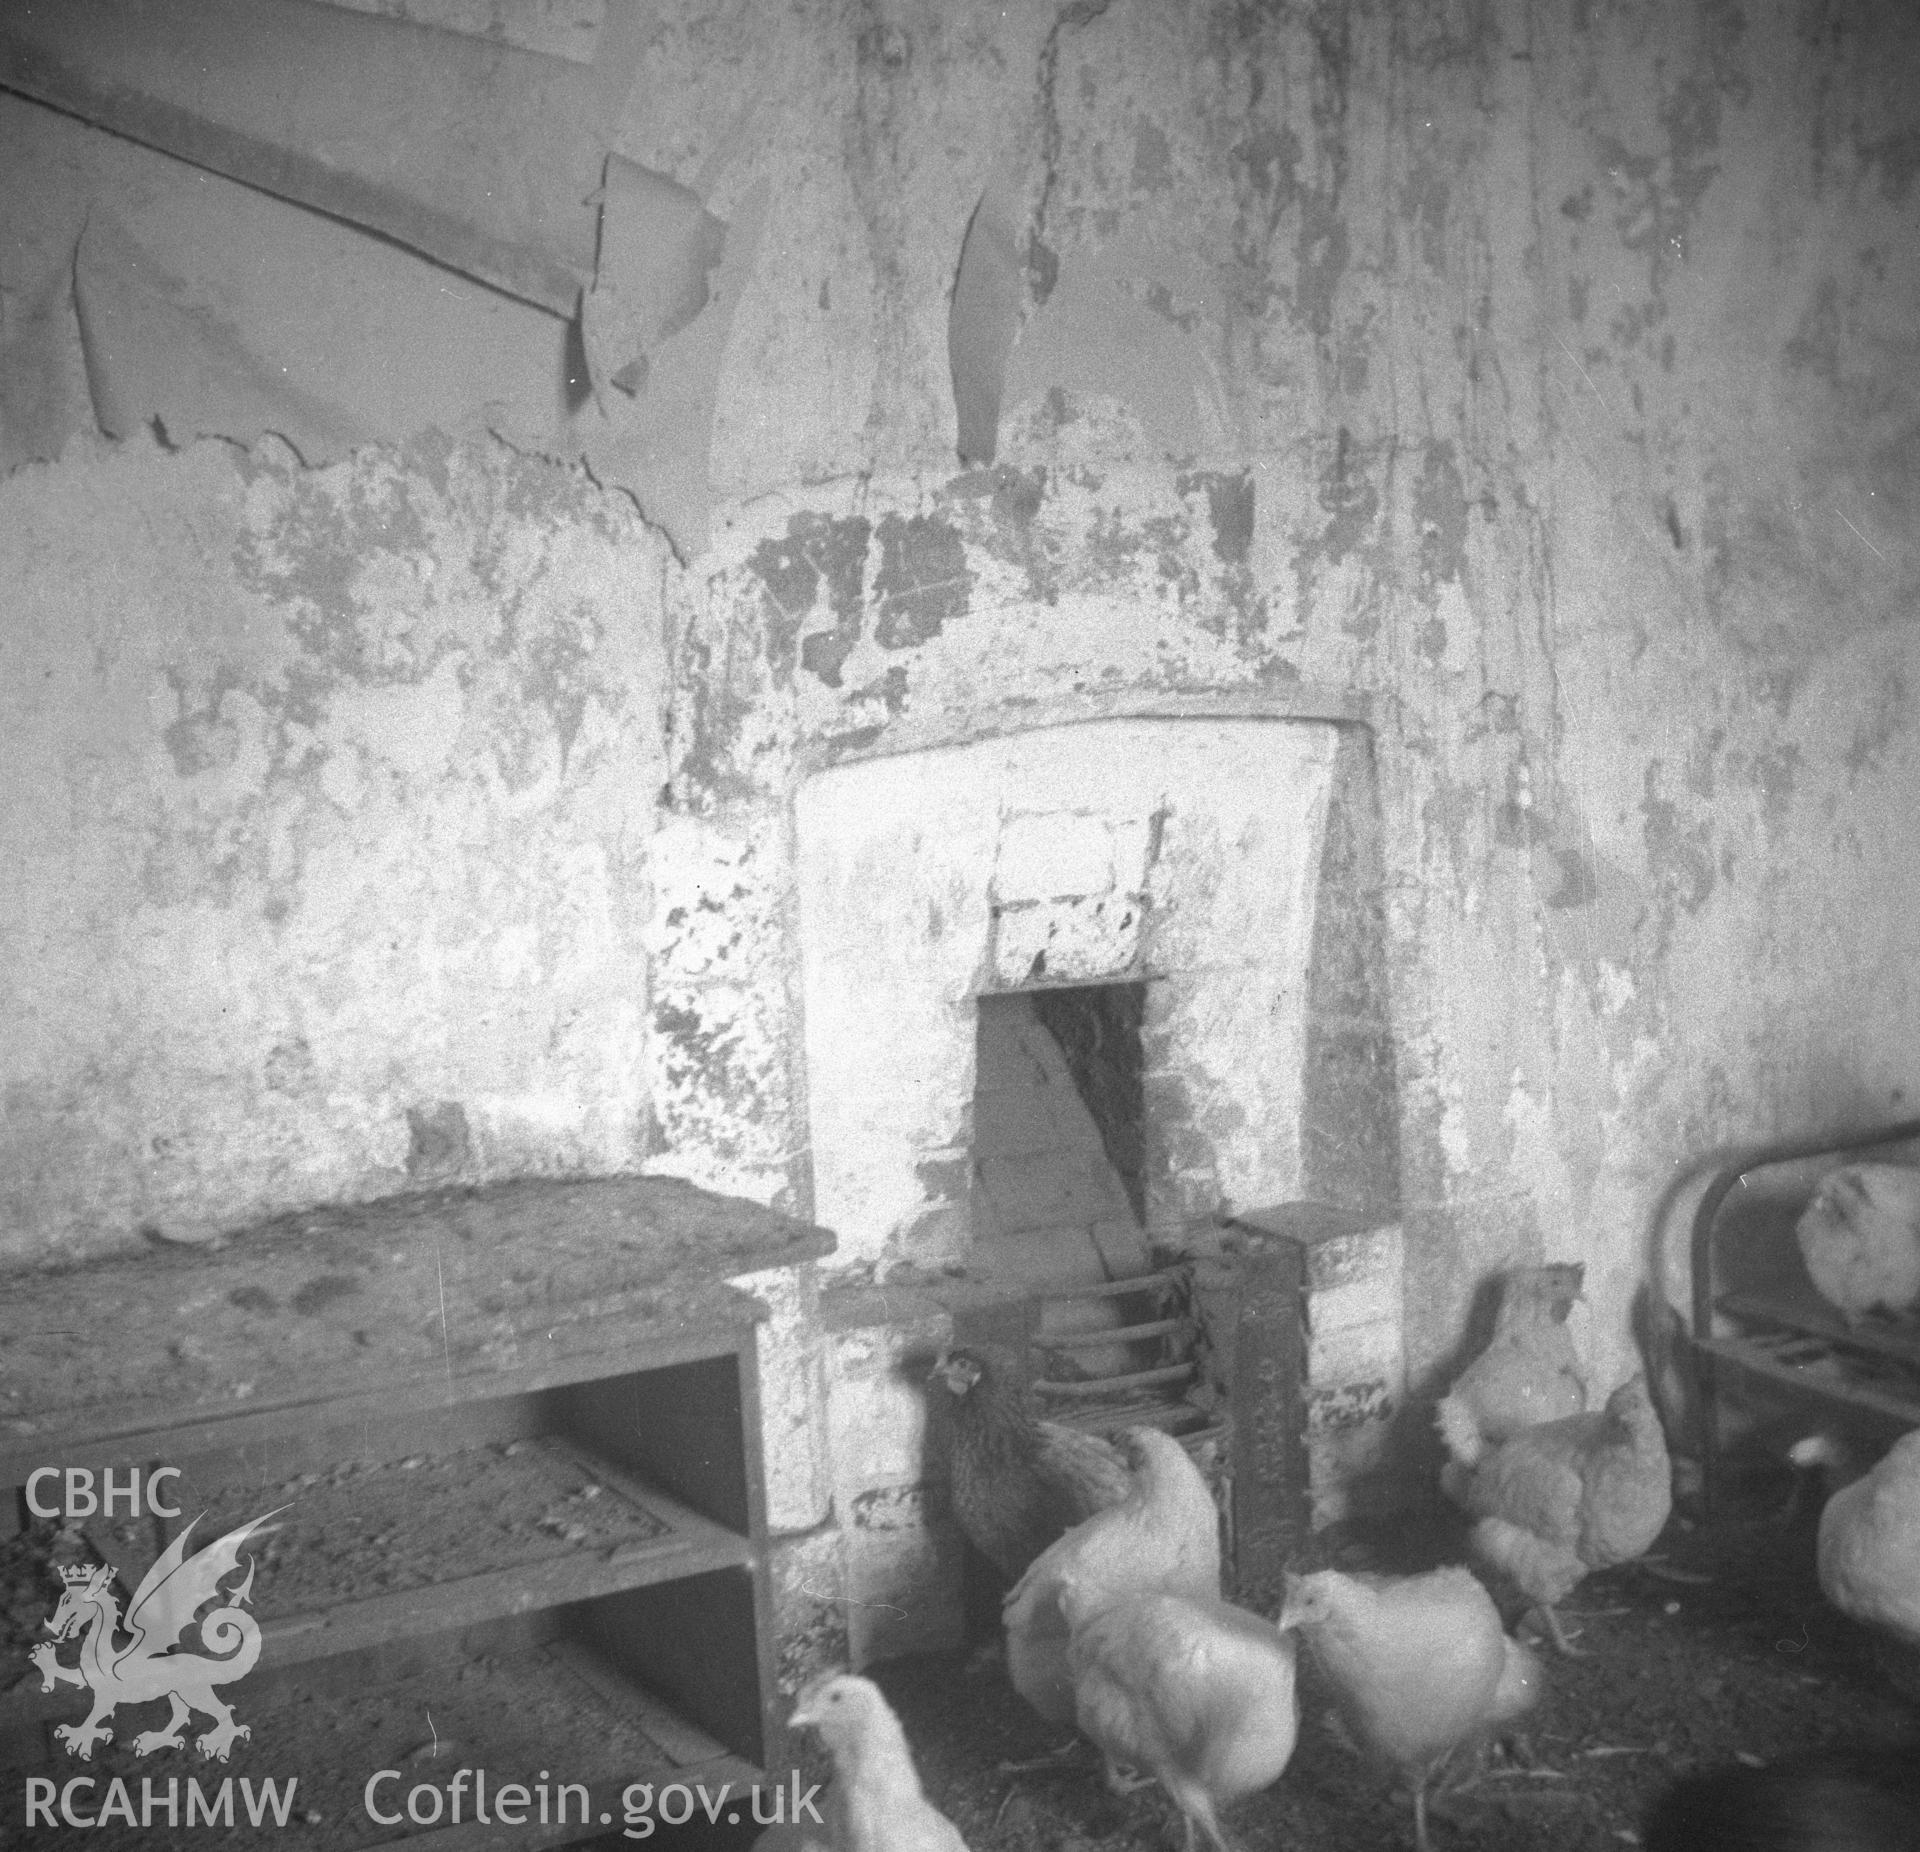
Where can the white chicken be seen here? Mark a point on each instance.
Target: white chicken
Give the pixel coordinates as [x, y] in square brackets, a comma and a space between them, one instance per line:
[1162, 1538]
[1522, 1680]
[1419, 1666]
[1860, 1238]
[1869, 1545]
[1194, 1691]
[876, 1803]
[1518, 1691]
[1529, 1372]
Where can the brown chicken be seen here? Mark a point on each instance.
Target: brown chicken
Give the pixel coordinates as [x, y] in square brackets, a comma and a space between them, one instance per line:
[1528, 1374]
[1196, 1693]
[1162, 1538]
[1017, 1483]
[1554, 1503]
[1418, 1666]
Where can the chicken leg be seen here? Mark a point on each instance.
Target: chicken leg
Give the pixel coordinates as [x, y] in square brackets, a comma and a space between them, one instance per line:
[1196, 1810]
[1071, 1751]
[1563, 1641]
[1420, 1817]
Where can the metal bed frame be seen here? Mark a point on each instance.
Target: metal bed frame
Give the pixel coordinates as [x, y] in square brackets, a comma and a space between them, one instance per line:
[1781, 1331]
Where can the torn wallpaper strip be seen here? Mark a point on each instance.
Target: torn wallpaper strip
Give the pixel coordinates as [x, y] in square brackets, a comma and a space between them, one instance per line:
[221, 311]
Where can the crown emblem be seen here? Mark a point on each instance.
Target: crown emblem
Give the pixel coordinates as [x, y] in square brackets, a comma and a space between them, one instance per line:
[74, 1574]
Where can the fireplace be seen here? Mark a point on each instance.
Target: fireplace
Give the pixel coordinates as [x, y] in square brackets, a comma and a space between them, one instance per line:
[1075, 998]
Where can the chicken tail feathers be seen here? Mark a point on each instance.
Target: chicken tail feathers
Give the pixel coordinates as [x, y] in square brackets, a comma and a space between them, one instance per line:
[1542, 1571]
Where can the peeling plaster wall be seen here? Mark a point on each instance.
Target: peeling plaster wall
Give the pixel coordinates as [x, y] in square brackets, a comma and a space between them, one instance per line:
[328, 801]
[1543, 376]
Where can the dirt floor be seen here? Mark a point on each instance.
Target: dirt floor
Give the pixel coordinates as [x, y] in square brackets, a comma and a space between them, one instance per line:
[1720, 1647]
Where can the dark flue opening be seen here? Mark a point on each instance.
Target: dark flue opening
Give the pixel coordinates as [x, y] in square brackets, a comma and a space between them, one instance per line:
[1059, 1135]
[1097, 1027]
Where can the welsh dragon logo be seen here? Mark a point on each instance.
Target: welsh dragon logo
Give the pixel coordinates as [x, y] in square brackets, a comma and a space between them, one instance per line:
[151, 1663]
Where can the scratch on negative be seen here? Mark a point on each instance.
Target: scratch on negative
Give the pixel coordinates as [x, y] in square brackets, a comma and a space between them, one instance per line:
[1584, 374]
[847, 1601]
[446, 1344]
[1864, 541]
[921, 587]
